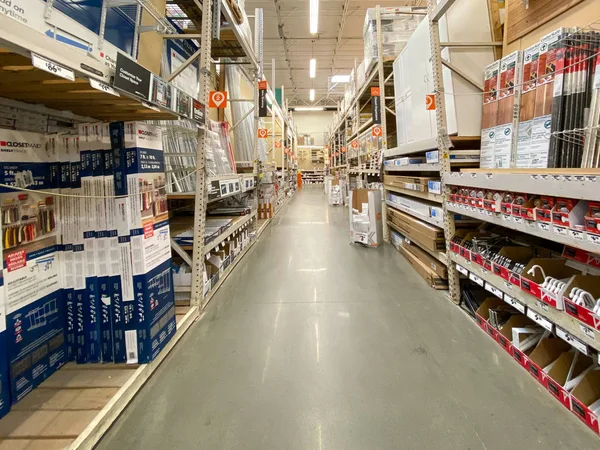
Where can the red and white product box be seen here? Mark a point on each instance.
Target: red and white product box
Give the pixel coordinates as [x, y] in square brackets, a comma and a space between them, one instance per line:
[492, 205]
[568, 213]
[521, 358]
[504, 336]
[516, 205]
[482, 314]
[592, 218]
[545, 214]
[555, 299]
[553, 267]
[589, 284]
[528, 209]
[584, 395]
[506, 207]
[546, 352]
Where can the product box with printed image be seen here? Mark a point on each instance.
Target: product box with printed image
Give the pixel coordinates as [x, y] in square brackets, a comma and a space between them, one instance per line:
[34, 303]
[88, 311]
[4, 382]
[140, 183]
[365, 217]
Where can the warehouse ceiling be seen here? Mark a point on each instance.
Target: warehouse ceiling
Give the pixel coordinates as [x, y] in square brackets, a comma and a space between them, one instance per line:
[337, 46]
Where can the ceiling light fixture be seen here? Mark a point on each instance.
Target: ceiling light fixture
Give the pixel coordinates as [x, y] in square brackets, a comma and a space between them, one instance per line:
[312, 68]
[312, 95]
[340, 79]
[314, 16]
[309, 108]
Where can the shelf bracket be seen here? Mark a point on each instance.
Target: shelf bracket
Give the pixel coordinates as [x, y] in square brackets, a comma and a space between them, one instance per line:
[461, 74]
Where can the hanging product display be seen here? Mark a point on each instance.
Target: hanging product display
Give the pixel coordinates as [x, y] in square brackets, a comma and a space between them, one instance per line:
[241, 115]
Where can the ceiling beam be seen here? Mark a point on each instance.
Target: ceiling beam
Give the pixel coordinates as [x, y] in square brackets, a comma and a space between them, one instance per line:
[340, 34]
[281, 29]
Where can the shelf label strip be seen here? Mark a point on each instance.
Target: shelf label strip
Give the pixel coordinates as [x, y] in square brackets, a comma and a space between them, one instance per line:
[51, 67]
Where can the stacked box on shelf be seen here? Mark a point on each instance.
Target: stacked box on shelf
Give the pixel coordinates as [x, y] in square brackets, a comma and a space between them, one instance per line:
[142, 206]
[420, 184]
[35, 315]
[417, 207]
[431, 237]
[397, 25]
[429, 268]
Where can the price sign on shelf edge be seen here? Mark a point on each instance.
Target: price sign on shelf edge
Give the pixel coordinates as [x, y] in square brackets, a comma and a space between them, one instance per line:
[103, 87]
[51, 67]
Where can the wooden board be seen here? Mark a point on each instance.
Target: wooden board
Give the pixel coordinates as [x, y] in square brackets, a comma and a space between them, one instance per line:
[524, 20]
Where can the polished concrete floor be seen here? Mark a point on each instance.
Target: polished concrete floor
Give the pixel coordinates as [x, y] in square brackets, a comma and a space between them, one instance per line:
[316, 344]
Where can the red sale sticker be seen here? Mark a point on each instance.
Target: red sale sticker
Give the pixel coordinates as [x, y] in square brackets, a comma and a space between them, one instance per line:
[16, 260]
[148, 230]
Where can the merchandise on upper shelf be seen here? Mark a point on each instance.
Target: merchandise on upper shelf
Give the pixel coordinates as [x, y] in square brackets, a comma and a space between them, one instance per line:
[466, 21]
[554, 85]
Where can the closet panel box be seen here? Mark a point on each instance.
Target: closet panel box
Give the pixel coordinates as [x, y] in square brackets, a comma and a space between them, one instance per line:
[35, 315]
[466, 21]
[4, 381]
[143, 211]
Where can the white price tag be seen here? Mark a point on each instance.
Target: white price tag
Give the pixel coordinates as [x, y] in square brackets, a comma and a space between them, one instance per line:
[494, 290]
[462, 270]
[151, 106]
[560, 231]
[542, 306]
[506, 218]
[540, 320]
[103, 87]
[576, 235]
[588, 332]
[489, 213]
[567, 337]
[52, 67]
[515, 304]
[518, 220]
[475, 279]
[594, 238]
[508, 285]
[544, 227]
[362, 238]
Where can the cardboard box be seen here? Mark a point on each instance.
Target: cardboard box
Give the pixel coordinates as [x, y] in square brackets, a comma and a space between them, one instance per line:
[440, 269]
[433, 244]
[142, 180]
[35, 315]
[505, 333]
[482, 315]
[547, 351]
[589, 284]
[425, 271]
[411, 183]
[568, 363]
[553, 267]
[584, 395]
[365, 217]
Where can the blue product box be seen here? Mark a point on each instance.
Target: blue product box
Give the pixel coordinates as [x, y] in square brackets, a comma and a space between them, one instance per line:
[89, 343]
[433, 156]
[435, 187]
[4, 381]
[35, 337]
[137, 148]
[142, 179]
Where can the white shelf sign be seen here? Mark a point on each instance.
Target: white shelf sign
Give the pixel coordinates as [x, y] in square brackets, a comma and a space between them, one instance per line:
[569, 338]
[540, 320]
[544, 227]
[462, 270]
[475, 279]
[494, 290]
[52, 67]
[588, 332]
[515, 304]
[103, 87]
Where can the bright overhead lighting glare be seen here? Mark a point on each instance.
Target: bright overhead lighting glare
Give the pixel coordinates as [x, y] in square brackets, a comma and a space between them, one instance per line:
[312, 69]
[312, 95]
[314, 16]
[340, 79]
[308, 108]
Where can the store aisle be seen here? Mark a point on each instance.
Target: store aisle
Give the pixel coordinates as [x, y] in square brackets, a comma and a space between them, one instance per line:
[316, 344]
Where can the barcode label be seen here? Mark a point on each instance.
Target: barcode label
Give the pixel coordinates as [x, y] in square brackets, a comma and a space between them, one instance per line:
[131, 346]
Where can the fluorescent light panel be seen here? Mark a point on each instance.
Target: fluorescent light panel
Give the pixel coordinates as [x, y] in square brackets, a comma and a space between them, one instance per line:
[314, 16]
[340, 79]
[308, 108]
[312, 95]
[312, 68]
